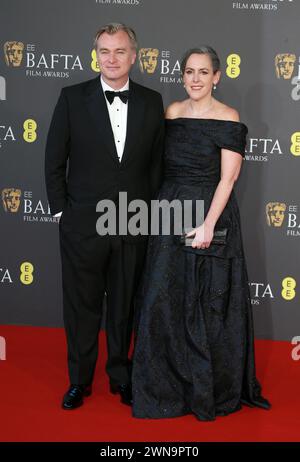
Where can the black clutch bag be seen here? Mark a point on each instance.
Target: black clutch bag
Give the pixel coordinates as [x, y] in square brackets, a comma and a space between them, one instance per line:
[220, 237]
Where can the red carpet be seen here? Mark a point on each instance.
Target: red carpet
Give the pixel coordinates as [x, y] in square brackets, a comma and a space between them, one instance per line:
[33, 379]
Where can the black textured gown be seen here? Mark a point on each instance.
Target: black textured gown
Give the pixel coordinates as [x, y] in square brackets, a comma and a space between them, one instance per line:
[194, 345]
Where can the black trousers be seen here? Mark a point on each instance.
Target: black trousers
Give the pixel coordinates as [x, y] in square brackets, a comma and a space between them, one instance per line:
[93, 265]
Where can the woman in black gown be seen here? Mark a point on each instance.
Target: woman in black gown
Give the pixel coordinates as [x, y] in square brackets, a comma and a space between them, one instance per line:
[194, 348]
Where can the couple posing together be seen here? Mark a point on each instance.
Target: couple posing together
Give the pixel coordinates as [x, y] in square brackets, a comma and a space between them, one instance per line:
[190, 305]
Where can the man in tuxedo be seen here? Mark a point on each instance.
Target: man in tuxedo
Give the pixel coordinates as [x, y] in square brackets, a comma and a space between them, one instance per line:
[106, 136]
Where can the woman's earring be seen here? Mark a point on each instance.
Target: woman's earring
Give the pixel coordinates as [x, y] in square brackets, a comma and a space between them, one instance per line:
[215, 86]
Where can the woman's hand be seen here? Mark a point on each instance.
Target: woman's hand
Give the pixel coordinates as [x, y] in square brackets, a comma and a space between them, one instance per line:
[202, 236]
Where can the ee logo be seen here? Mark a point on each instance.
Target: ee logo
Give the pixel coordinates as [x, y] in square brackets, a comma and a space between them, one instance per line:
[295, 146]
[288, 292]
[233, 66]
[26, 276]
[94, 63]
[30, 127]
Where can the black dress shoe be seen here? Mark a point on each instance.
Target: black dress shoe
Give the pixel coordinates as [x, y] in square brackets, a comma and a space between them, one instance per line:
[124, 390]
[74, 396]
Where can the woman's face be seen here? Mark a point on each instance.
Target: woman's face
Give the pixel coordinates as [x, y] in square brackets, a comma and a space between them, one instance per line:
[198, 77]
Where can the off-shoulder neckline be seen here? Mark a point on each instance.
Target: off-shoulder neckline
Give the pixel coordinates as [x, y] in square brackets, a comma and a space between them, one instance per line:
[206, 120]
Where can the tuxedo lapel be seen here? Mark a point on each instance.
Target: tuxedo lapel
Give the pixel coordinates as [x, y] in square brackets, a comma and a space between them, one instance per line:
[97, 108]
[135, 117]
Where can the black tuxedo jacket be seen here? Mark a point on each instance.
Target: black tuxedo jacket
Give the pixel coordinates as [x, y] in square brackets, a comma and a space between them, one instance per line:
[81, 164]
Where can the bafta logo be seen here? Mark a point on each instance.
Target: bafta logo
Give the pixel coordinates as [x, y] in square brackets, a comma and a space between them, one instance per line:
[284, 65]
[148, 59]
[11, 199]
[275, 213]
[13, 52]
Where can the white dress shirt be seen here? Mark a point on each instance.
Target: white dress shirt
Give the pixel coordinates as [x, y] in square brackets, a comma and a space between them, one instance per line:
[118, 117]
[117, 111]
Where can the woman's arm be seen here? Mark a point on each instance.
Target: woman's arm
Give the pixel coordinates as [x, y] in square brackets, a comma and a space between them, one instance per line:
[230, 168]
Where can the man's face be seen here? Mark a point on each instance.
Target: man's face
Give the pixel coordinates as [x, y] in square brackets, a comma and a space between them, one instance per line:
[15, 54]
[12, 200]
[149, 61]
[115, 57]
[276, 215]
[285, 66]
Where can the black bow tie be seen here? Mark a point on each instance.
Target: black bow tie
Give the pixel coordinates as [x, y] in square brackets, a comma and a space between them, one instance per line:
[123, 95]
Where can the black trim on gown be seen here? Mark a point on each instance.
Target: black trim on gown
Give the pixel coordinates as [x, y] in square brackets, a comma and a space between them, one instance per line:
[194, 345]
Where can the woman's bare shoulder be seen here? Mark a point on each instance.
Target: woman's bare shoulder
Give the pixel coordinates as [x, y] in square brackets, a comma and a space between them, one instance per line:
[225, 112]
